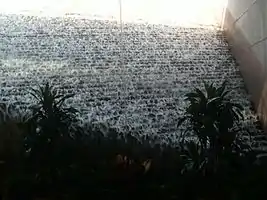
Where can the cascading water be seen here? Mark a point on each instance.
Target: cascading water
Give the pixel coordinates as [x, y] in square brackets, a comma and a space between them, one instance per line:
[133, 77]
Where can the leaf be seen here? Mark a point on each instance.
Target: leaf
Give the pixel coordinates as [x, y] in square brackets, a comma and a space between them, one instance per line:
[119, 159]
[235, 115]
[237, 106]
[63, 99]
[58, 96]
[184, 134]
[36, 93]
[147, 165]
[221, 89]
[225, 93]
[181, 121]
[201, 95]
[213, 100]
[192, 95]
[206, 85]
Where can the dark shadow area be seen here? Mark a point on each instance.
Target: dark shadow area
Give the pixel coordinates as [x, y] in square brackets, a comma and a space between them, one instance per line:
[47, 153]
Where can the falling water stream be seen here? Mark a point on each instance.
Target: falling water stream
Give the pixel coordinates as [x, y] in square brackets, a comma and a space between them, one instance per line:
[132, 76]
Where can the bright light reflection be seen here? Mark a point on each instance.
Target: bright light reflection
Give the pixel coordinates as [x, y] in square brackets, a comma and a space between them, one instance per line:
[182, 12]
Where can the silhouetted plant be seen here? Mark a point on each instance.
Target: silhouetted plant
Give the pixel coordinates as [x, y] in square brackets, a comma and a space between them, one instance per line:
[64, 160]
[212, 146]
[212, 116]
[50, 131]
[51, 118]
[51, 112]
[13, 129]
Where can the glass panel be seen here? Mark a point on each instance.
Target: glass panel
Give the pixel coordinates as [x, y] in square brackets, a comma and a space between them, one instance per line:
[179, 12]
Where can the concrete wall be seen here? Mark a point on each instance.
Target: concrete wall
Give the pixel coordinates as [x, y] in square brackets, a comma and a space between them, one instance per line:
[246, 30]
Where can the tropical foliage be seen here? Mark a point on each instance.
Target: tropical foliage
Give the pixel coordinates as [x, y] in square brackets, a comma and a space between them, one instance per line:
[47, 153]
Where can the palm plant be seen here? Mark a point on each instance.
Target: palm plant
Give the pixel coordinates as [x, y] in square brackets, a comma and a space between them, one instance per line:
[51, 118]
[51, 128]
[212, 116]
[51, 112]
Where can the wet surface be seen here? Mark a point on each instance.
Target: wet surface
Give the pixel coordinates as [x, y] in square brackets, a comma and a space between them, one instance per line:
[131, 80]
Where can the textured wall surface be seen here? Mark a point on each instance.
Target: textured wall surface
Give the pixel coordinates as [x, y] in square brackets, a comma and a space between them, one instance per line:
[246, 29]
[135, 81]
